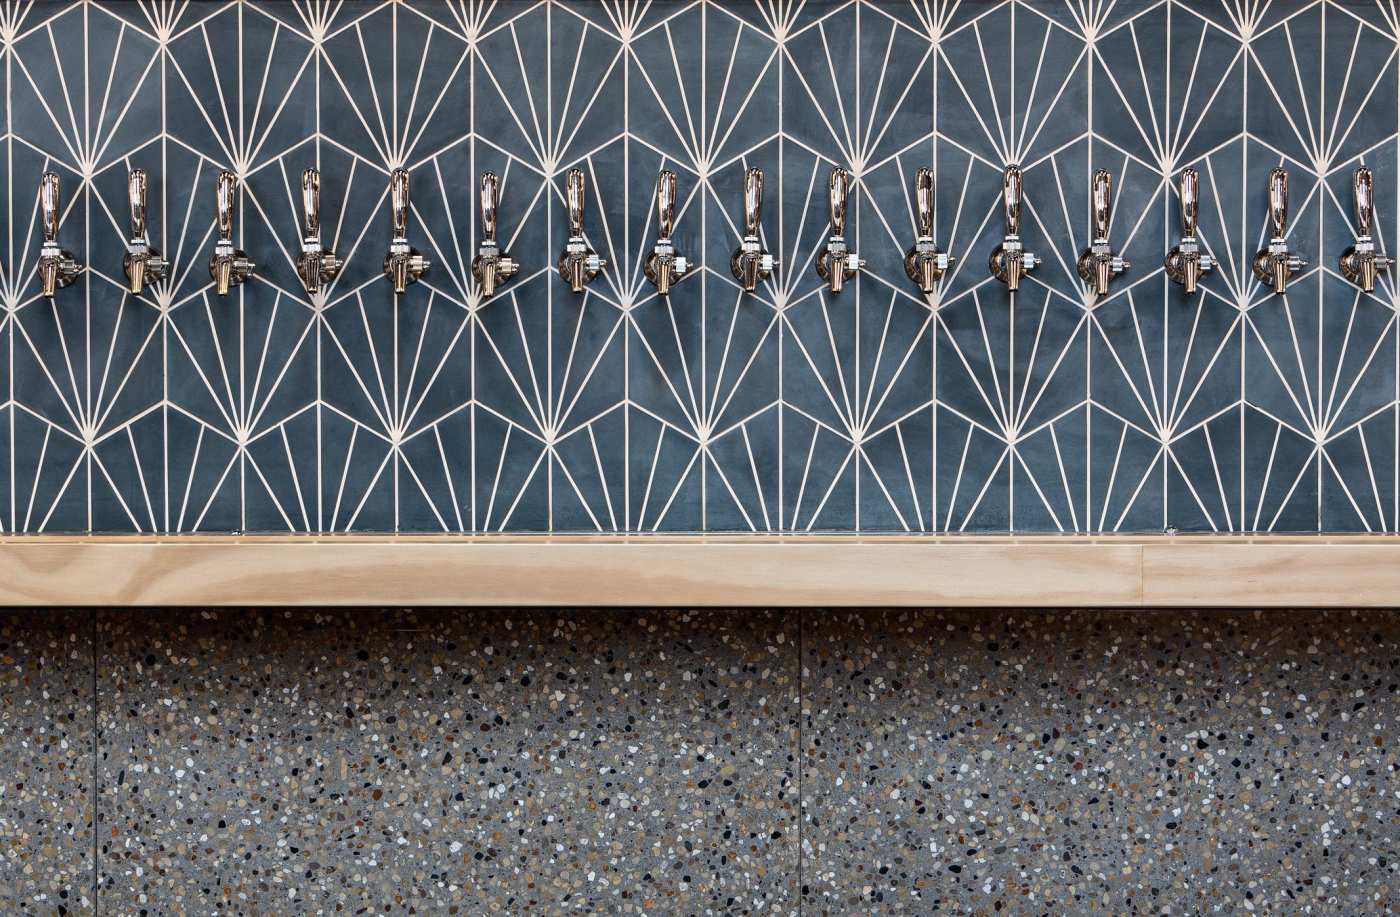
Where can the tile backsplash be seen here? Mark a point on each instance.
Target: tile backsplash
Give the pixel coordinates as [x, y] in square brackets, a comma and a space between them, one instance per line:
[786, 409]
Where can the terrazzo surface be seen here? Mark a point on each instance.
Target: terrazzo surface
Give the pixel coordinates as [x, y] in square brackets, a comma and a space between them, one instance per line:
[641, 762]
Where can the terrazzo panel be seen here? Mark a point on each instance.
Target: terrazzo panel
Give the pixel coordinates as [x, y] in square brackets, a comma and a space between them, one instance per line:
[480, 762]
[46, 762]
[1098, 762]
[448, 762]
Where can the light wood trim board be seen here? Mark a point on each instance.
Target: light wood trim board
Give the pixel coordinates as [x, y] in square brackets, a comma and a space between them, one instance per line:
[715, 571]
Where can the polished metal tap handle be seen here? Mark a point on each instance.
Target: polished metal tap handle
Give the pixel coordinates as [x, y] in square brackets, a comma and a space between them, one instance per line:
[225, 190]
[1011, 199]
[136, 201]
[1190, 187]
[665, 203]
[398, 202]
[49, 204]
[753, 200]
[311, 203]
[923, 200]
[1103, 202]
[1278, 200]
[1363, 197]
[490, 200]
[838, 187]
[573, 196]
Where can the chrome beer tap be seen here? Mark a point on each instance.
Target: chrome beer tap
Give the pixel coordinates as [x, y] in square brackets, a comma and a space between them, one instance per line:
[1361, 262]
[228, 265]
[143, 263]
[750, 263]
[1186, 262]
[404, 264]
[925, 262]
[491, 266]
[1098, 263]
[837, 263]
[1010, 261]
[317, 265]
[663, 266]
[58, 267]
[578, 264]
[1276, 264]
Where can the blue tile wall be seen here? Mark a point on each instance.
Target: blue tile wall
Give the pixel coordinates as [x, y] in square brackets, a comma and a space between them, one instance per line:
[786, 410]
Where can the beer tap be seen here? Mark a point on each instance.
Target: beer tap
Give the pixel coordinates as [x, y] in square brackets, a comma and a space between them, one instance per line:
[1010, 261]
[836, 263]
[925, 262]
[578, 264]
[1276, 264]
[403, 264]
[750, 263]
[491, 266]
[1098, 263]
[143, 263]
[1361, 262]
[317, 265]
[1186, 262]
[228, 265]
[663, 266]
[58, 267]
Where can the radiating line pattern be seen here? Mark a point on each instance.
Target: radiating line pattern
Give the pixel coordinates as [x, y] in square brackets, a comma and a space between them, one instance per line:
[789, 409]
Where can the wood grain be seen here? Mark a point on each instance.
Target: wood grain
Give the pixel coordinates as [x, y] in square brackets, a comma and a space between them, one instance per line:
[565, 572]
[703, 571]
[1363, 574]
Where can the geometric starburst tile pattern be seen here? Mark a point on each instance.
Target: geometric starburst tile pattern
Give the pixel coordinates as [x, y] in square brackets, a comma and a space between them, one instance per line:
[789, 409]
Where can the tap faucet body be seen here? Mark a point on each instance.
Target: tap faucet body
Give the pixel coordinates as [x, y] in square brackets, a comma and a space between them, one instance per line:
[403, 264]
[228, 265]
[142, 262]
[578, 264]
[316, 265]
[491, 266]
[1360, 263]
[1186, 262]
[1098, 264]
[836, 263]
[750, 263]
[1275, 265]
[1010, 261]
[663, 266]
[925, 263]
[57, 267]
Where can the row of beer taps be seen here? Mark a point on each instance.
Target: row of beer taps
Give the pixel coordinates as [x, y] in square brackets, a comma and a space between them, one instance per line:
[925, 263]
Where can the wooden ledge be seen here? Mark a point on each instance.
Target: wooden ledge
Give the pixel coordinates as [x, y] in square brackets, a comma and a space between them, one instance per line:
[718, 571]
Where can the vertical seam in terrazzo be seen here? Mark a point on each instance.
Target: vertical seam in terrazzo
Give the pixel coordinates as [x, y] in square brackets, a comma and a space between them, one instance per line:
[96, 907]
[801, 758]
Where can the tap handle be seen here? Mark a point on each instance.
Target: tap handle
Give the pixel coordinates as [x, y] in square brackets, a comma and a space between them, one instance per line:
[490, 198]
[311, 203]
[837, 188]
[1363, 196]
[1278, 200]
[753, 199]
[1190, 188]
[49, 204]
[665, 203]
[1103, 203]
[224, 191]
[398, 202]
[1011, 199]
[136, 200]
[573, 195]
[923, 200]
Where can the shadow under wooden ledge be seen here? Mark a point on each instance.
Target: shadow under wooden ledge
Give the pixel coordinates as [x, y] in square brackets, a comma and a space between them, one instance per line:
[1109, 571]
